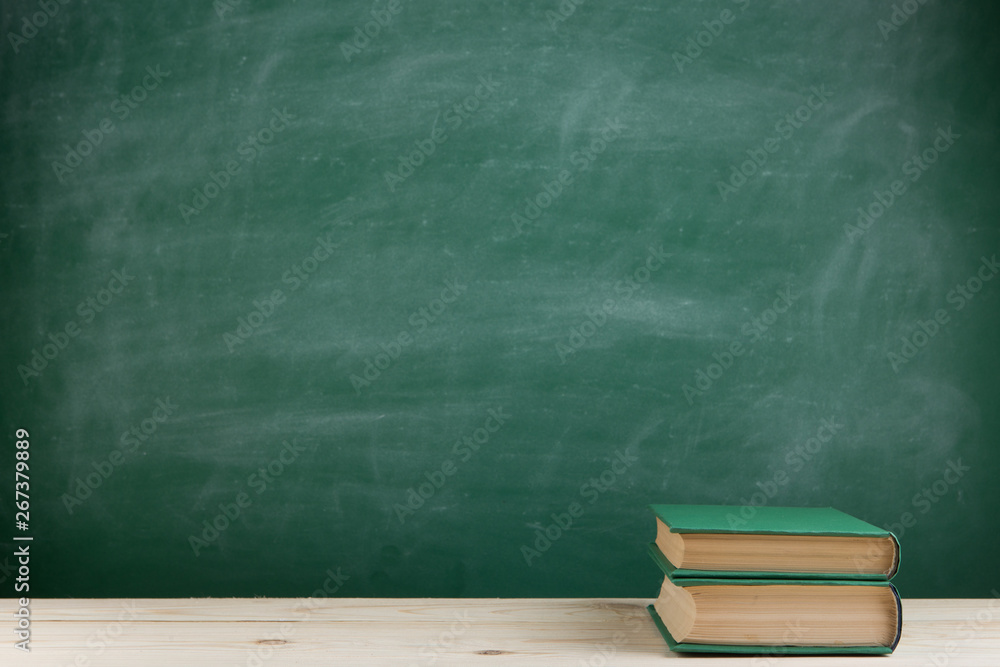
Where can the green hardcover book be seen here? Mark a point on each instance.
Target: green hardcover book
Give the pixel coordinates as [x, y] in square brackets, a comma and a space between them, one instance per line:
[775, 616]
[773, 542]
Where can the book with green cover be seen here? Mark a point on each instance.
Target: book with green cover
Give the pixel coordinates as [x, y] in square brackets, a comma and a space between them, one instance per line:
[773, 542]
[777, 650]
[775, 616]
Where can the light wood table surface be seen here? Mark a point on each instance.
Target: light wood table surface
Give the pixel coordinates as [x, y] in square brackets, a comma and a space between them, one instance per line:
[224, 632]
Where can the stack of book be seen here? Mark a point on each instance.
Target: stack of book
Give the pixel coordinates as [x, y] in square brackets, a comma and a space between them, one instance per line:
[795, 580]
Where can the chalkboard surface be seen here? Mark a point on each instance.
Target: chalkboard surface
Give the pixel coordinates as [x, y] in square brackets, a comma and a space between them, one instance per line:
[433, 298]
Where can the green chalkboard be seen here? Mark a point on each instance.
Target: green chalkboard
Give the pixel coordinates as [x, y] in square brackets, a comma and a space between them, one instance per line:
[434, 298]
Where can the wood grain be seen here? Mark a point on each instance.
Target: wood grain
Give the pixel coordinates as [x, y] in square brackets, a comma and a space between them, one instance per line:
[278, 632]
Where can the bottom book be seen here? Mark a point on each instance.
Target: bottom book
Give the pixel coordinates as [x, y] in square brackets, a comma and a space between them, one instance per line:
[777, 617]
[760, 649]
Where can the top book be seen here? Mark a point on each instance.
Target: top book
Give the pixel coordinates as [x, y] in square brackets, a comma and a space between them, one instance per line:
[773, 542]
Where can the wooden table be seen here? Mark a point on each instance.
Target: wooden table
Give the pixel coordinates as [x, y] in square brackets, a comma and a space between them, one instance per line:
[224, 632]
